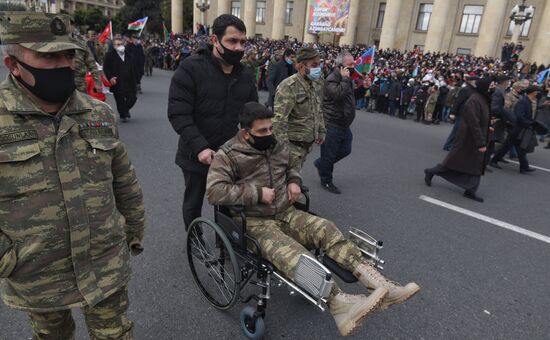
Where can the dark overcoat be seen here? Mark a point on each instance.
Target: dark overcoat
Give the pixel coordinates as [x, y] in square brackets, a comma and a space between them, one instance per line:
[472, 134]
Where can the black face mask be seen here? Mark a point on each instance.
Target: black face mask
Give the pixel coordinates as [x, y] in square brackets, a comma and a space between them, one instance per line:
[44, 80]
[262, 143]
[231, 57]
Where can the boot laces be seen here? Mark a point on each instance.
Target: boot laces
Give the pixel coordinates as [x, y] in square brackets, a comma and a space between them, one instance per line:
[380, 278]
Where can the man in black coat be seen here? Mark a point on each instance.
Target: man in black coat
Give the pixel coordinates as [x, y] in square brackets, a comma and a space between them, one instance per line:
[339, 112]
[134, 48]
[524, 120]
[461, 98]
[278, 72]
[207, 93]
[119, 69]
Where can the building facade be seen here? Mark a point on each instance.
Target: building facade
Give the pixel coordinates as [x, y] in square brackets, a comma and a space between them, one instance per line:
[477, 27]
[108, 7]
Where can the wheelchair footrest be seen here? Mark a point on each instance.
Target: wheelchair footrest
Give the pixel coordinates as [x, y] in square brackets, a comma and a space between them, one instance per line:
[335, 268]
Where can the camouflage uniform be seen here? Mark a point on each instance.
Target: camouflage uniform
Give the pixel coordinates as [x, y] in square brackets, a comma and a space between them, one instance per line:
[236, 176]
[84, 62]
[149, 61]
[71, 209]
[298, 118]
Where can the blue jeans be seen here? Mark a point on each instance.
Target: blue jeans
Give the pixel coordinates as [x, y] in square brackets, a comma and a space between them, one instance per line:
[393, 107]
[336, 147]
[449, 143]
[360, 103]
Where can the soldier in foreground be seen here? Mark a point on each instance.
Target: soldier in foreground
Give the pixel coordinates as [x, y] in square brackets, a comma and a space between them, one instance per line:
[71, 209]
[298, 118]
[253, 169]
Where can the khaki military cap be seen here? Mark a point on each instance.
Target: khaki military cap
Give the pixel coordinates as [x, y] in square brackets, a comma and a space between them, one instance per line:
[40, 32]
[306, 53]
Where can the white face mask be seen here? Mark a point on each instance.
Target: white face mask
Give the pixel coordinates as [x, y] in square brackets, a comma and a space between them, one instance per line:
[120, 49]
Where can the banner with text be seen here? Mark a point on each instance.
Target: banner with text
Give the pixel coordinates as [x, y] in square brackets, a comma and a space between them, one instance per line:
[328, 16]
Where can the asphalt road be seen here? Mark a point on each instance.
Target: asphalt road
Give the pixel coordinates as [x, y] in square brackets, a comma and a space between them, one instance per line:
[479, 281]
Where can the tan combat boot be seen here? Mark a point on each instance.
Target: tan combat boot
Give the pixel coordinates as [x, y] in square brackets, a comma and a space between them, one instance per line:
[349, 310]
[372, 279]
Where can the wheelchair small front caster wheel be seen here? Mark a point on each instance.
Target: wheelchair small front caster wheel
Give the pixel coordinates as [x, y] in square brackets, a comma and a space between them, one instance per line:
[253, 328]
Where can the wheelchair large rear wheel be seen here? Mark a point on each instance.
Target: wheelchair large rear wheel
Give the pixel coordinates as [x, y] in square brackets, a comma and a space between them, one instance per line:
[213, 263]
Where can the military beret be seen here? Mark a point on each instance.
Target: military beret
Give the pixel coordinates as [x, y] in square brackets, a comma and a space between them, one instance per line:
[306, 53]
[40, 32]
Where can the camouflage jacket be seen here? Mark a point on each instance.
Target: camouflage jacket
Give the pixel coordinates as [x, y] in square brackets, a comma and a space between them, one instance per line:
[84, 62]
[239, 171]
[297, 110]
[71, 209]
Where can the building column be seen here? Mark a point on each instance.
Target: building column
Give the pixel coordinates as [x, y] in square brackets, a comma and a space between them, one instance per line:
[437, 26]
[224, 7]
[279, 11]
[391, 20]
[308, 37]
[540, 53]
[177, 16]
[249, 17]
[196, 16]
[351, 28]
[494, 18]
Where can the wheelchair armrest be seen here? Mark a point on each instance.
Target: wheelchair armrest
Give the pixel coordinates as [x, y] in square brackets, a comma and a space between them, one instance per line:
[224, 217]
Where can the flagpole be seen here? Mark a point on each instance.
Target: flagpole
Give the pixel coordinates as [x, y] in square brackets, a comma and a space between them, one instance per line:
[145, 23]
[111, 29]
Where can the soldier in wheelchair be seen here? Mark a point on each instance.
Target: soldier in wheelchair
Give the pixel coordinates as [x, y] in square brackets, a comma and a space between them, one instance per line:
[253, 170]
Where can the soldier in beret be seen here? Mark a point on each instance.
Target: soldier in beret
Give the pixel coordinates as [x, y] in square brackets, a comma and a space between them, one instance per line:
[71, 209]
[297, 107]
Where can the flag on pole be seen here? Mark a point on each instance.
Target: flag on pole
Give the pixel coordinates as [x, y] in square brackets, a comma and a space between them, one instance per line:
[138, 25]
[416, 71]
[107, 32]
[365, 61]
[167, 34]
[543, 76]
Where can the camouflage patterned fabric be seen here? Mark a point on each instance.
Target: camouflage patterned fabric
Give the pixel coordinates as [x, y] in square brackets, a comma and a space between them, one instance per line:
[41, 32]
[106, 320]
[71, 208]
[239, 171]
[298, 116]
[236, 176]
[83, 63]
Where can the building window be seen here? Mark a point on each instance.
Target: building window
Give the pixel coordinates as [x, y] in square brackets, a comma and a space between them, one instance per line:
[424, 14]
[471, 18]
[419, 48]
[260, 12]
[288, 13]
[463, 51]
[236, 8]
[524, 31]
[381, 12]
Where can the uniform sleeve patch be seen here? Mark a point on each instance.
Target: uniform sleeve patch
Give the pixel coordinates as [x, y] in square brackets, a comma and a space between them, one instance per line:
[95, 132]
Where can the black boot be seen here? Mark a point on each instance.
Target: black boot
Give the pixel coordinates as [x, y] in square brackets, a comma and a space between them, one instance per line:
[473, 196]
[428, 177]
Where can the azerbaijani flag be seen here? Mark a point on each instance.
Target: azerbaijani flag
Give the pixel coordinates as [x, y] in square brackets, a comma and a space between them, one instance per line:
[137, 25]
[167, 34]
[364, 63]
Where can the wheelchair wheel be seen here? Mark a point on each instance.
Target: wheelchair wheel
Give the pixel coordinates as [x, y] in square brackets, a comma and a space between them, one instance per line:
[213, 263]
[253, 328]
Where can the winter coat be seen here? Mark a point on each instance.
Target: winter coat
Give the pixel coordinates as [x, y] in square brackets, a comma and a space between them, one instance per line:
[239, 171]
[339, 101]
[461, 98]
[204, 105]
[123, 70]
[471, 135]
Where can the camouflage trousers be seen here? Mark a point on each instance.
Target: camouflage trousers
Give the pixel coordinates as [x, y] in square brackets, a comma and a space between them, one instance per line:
[285, 238]
[299, 151]
[106, 320]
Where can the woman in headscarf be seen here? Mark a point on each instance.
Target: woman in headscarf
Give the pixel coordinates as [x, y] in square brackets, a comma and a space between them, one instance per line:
[465, 163]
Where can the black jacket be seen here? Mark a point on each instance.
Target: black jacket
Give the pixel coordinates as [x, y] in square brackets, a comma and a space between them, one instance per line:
[278, 72]
[124, 71]
[204, 105]
[394, 92]
[138, 57]
[338, 101]
[524, 114]
[461, 98]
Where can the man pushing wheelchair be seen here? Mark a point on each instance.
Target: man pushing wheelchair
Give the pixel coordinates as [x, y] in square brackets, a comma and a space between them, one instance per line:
[254, 170]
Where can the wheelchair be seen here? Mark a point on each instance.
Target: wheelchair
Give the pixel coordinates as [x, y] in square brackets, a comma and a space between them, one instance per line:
[224, 260]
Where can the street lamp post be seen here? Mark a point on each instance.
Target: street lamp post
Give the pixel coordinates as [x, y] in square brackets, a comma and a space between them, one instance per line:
[203, 6]
[520, 14]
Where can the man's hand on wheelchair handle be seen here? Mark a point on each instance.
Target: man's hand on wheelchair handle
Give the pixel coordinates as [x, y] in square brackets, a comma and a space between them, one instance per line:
[268, 195]
[294, 192]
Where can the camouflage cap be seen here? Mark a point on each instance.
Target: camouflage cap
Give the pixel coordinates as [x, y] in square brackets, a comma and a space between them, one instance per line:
[306, 53]
[40, 32]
